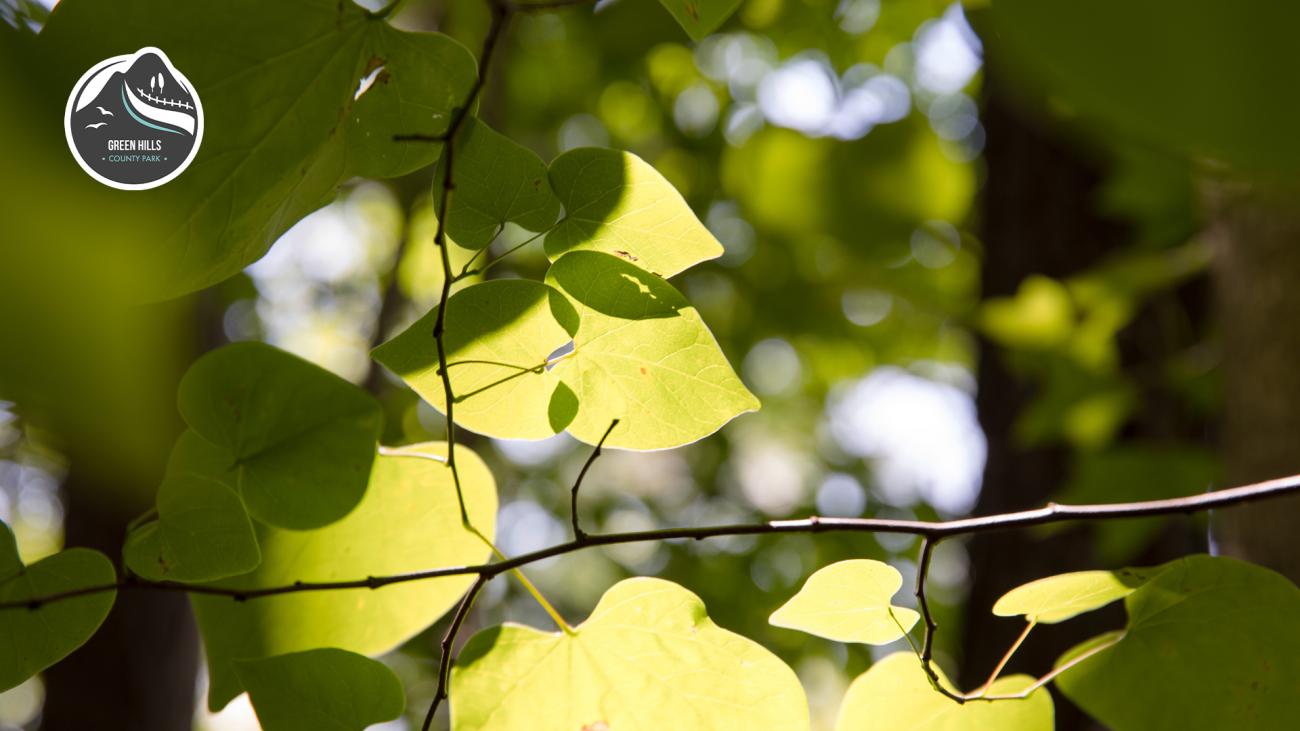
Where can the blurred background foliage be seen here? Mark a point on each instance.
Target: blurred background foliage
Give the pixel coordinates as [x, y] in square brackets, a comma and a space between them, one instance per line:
[963, 247]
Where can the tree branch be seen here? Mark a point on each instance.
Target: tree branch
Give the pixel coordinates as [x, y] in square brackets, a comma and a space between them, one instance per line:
[578, 533]
[931, 530]
[448, 644]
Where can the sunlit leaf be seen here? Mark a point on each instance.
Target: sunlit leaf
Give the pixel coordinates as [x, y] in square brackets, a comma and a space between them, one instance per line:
[34, 639]
[895, 695]
[282, 126]
[321, 690]
[1057, 598]
[648, 657]
[497, 180]
[700, 17]
[1210, 644]
[408, 520]
[299, 439]
[849, 601]
[641, 355]
[617, 203]
[499, 335]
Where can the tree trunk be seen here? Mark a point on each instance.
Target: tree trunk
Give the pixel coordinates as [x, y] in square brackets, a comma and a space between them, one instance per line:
[1256, 236]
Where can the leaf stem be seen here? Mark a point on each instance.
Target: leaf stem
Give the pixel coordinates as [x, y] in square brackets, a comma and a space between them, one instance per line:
[528, 586]
[984, 689]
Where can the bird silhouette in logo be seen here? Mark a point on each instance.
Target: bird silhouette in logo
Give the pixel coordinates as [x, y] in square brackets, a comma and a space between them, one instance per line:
[96, 125]
[104, 111]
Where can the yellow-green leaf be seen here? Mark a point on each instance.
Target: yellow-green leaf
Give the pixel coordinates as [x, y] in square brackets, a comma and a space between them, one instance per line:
[895, 695]
[407, 521]
[617, 203]
[1057, 598]
[648, 657]
[700, 17]
[849, 601]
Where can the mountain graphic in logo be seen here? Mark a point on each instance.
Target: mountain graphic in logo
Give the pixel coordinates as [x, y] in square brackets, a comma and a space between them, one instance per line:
[134, 122]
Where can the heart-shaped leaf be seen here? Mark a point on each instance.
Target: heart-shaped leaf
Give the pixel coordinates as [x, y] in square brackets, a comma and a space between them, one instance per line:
[848, 601]
[321, 690]
[1210, 644]
[497, 180]
[1057, 598]
[409, 520]
[299, 439]
[498, 337]
[641, 355]
[895, 695]
[648, 657]
[34, 639]
[617, 203]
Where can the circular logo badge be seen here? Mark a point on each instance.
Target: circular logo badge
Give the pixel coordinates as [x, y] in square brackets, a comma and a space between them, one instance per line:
[134, 122]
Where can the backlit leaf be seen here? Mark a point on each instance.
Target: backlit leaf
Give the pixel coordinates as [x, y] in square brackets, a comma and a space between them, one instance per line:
[498, 337]
[617, 203]
[408, 521]
[700, 17]
[849, 601]
[641, 355]
[1058, 598]
[321, 690]
[1210, 644]
[895, 695]
[497, 180]
[34, 639]
[648, 657]
[299, 439]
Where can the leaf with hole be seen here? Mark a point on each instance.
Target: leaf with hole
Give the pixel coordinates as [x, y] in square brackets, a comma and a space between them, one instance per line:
[895, 695]
[641, 355]
[617, 203]
[283, 125]
[299, 439]
[409, 520]
[497, 180]
[1057, 598]
[34, 639]
[849, 601]
[321, 690]
[648, 657]
[499, 335]
[1210, 644]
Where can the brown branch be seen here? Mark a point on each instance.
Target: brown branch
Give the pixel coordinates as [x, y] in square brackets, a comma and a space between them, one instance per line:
[448, 644]
[578, 533]
[931, 530]
[928, 544]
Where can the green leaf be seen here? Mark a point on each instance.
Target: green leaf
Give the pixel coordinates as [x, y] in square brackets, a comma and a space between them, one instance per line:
[299, 439]
[498, 337]
[34, 639]
[848, 601]
[419, 273]
[202, 532]
[282, 125]
[648, 657]
[1211, 644]
[700, 17]
[408, 521]
[1057, 598]
[895, 695]
[641, 355]
[419, 78]
[321, 690]
[497, 180]
[617, 203]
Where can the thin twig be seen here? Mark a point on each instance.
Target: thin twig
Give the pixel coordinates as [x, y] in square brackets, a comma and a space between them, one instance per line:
[928, 544]
[448, 645]
[932, 530]
[578, 533]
